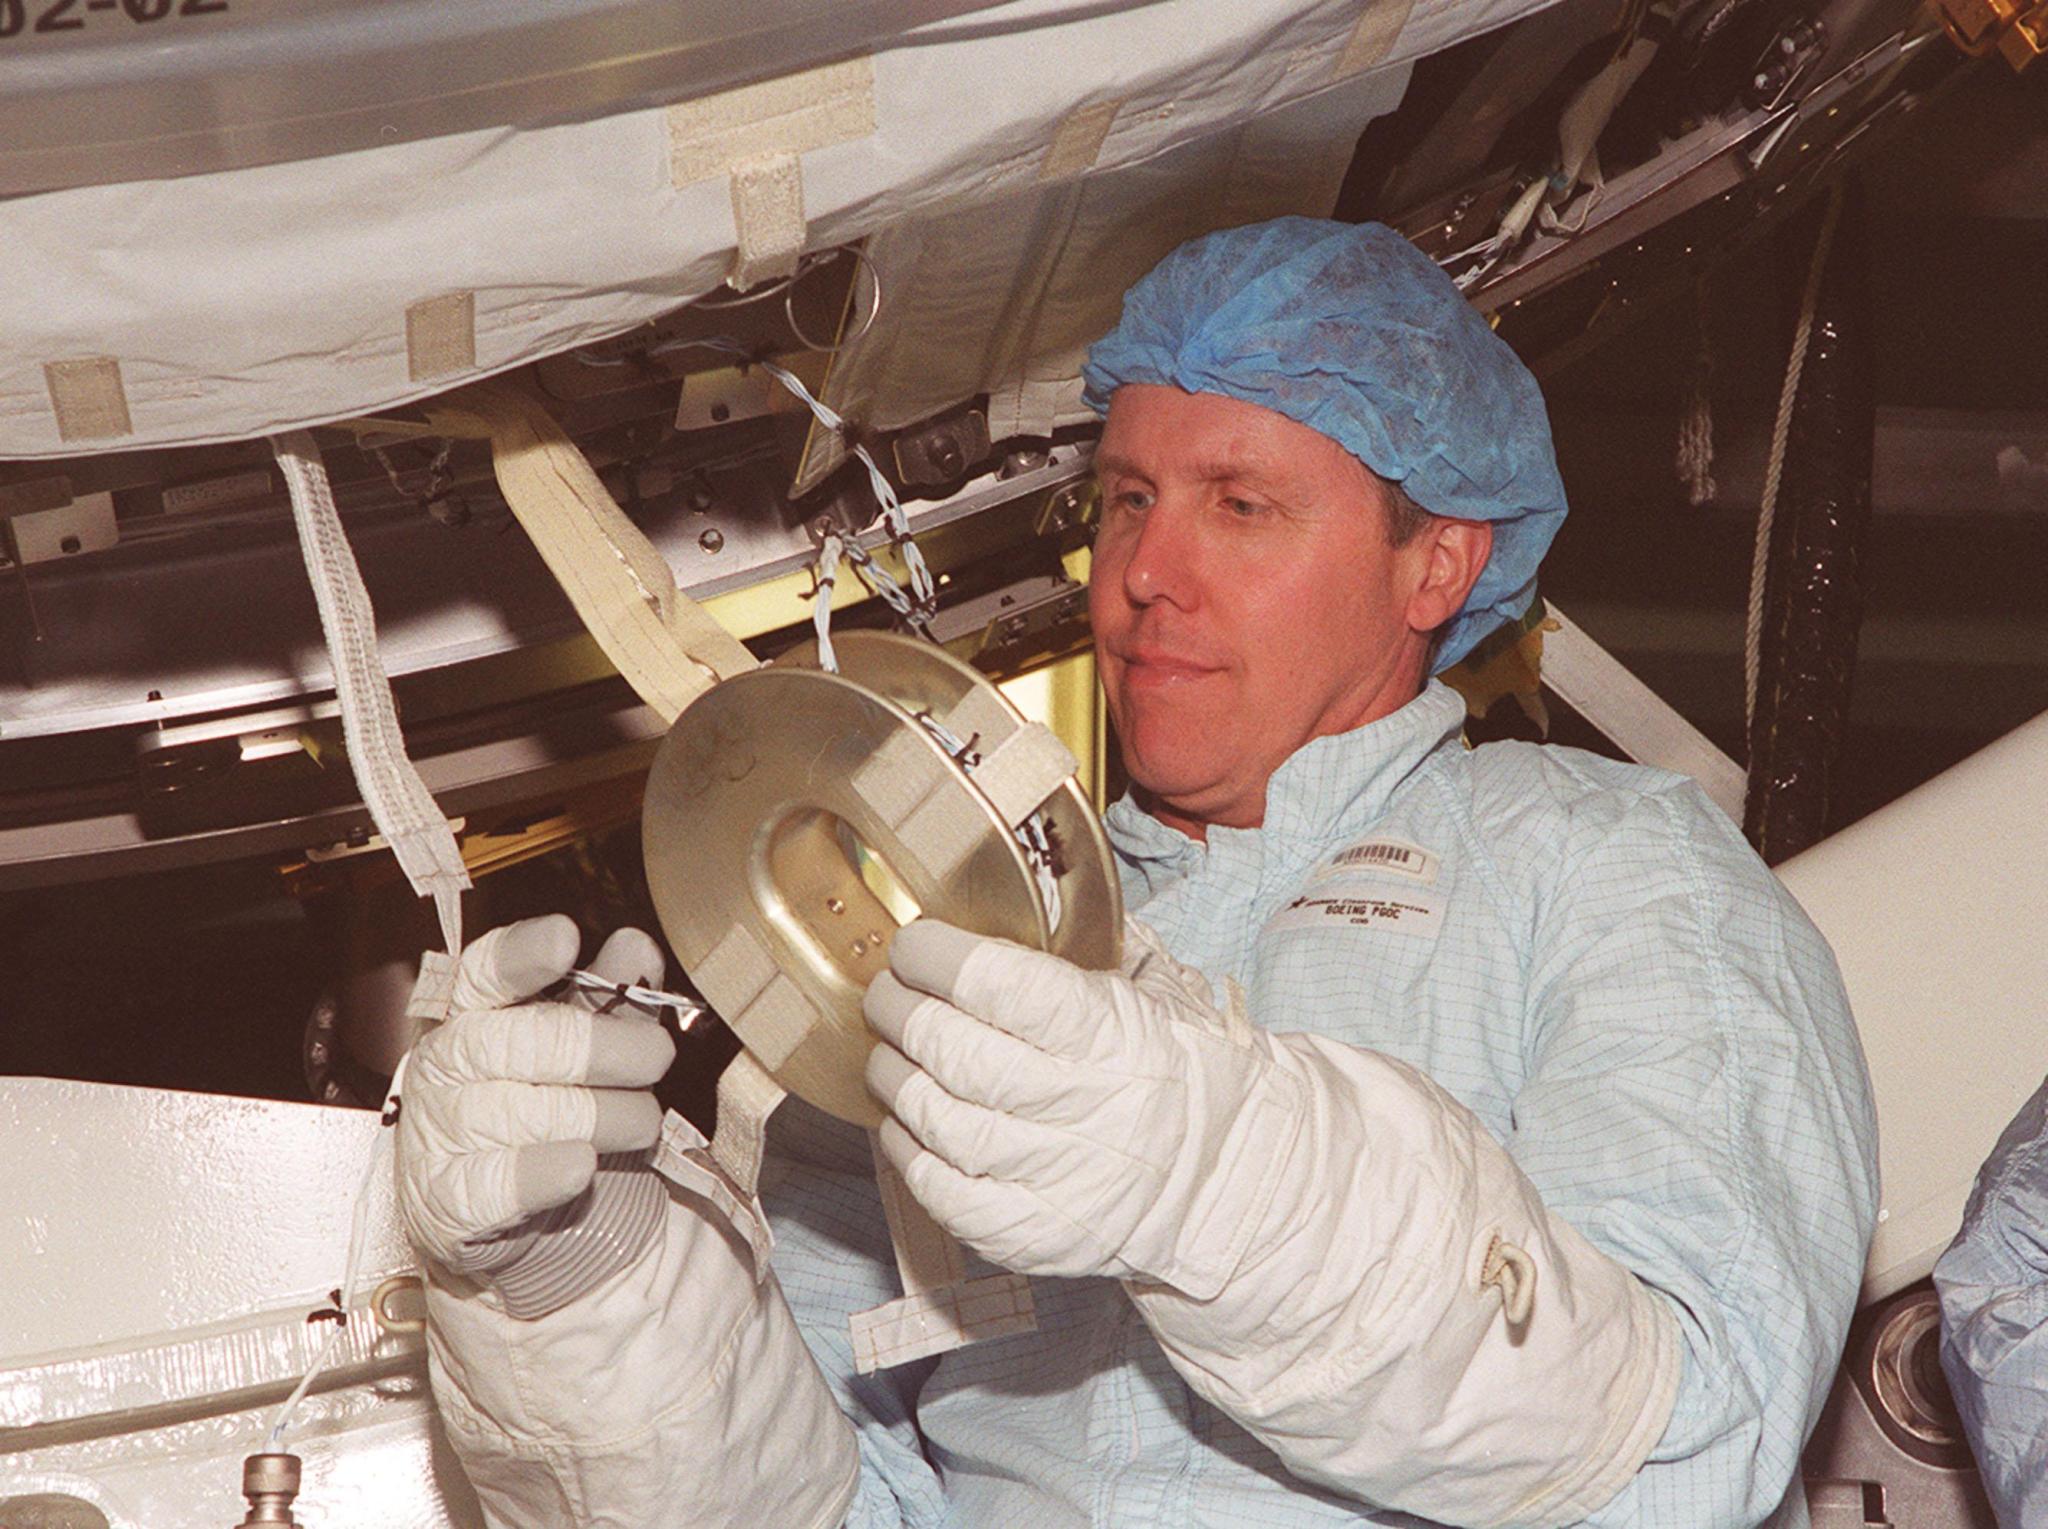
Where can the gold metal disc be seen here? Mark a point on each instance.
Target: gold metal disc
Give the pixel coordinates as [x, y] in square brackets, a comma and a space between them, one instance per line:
[769, 803]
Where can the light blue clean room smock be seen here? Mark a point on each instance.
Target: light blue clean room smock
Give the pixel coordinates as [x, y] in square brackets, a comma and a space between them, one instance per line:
[1596, 965]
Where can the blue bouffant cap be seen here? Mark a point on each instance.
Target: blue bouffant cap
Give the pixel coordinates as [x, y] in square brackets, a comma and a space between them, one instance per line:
[1349, 329]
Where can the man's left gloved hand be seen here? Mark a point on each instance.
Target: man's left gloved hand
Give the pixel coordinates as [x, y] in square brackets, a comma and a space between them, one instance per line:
[1068, 1122]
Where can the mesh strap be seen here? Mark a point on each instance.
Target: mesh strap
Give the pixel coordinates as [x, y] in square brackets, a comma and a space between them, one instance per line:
[399, 802]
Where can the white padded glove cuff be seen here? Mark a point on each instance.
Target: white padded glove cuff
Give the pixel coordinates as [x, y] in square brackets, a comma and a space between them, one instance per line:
[1414, 1327]
[550, 1259]
[677, 1391]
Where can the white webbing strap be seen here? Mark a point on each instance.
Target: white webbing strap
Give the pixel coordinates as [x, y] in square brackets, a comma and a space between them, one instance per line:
[684, 1158]
[747, 1096]
[399, 802]
[940, 1309]
[1639, 721]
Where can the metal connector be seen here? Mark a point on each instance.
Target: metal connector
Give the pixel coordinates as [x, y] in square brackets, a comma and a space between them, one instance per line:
[270, 1482]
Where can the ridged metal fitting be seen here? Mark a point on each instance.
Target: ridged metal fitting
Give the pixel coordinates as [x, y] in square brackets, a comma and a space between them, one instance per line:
[270, 1482]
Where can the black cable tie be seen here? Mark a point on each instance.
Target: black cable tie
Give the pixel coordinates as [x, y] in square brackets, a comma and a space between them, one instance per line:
[390, 1115]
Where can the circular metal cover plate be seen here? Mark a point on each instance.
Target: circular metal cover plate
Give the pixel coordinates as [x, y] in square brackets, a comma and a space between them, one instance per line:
[775, 787]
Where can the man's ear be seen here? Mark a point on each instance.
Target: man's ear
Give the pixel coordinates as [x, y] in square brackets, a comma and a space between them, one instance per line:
[1455, 555]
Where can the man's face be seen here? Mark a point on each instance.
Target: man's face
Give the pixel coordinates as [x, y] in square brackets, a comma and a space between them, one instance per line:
[1245, 597]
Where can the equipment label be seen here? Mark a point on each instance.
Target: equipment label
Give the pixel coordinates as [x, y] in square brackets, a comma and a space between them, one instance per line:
[1380, 856]
[1405, 913]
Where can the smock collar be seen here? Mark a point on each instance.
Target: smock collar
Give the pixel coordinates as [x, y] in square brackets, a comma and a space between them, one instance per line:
[1327, 787]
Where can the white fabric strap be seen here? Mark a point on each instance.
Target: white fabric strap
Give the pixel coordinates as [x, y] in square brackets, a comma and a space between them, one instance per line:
[433, 991]
[747, 1096]
[684, 1158]
[399, 802]
[941, 1309]
[1594, 683]
[939, 1321]
[927, 1258]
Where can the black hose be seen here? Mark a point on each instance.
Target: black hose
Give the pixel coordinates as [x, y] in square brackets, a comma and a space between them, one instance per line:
[1813, 596]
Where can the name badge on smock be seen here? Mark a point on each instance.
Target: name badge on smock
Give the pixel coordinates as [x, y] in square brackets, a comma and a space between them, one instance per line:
[1361, 887]
[1405, 912]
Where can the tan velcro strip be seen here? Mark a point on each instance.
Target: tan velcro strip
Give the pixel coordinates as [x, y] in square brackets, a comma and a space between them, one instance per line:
[946, 828]
[747, 1096]
[927, 1257]
[898, 776]
[767, 220]
[1026, 769]
[1078, 142]
[1378, 29]
[440, 336]
[765, 1009]
[981, 717]
[734, 973]
[87, 397]
[756, 134]
[669, 648]
[779, 1020]
[790, 115]
[1032, 406]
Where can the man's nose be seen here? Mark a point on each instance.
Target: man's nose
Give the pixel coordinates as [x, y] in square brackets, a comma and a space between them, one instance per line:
[1162, 565]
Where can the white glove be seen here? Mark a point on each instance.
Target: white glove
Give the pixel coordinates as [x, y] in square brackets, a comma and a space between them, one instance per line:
[1325, 1244]
[524, 1126]
[1060, 1121]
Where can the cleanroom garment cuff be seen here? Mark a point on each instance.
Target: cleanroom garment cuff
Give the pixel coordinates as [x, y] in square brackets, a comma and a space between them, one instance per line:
[677, 1392]
[1374, 1341]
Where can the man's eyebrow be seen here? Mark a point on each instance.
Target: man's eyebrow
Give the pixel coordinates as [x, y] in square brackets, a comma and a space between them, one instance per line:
[1210, 470]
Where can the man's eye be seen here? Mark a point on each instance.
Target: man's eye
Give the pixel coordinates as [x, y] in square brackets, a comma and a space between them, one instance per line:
[1244, 509]
[1130, 499]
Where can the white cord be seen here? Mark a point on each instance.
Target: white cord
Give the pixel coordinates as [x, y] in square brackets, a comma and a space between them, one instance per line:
[821, 609]
[1753, 633]
[358, 1241]
[688, 1010]
[923, 588]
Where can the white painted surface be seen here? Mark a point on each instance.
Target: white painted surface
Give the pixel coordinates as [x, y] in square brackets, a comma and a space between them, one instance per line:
[159, 1253]
[1937, 907]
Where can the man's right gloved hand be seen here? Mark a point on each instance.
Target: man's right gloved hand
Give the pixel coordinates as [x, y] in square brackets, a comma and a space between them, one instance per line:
[524, 1124]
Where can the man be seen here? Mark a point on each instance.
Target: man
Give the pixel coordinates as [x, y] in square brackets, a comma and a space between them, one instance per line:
[1993, 1283]
[1502, 1155]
